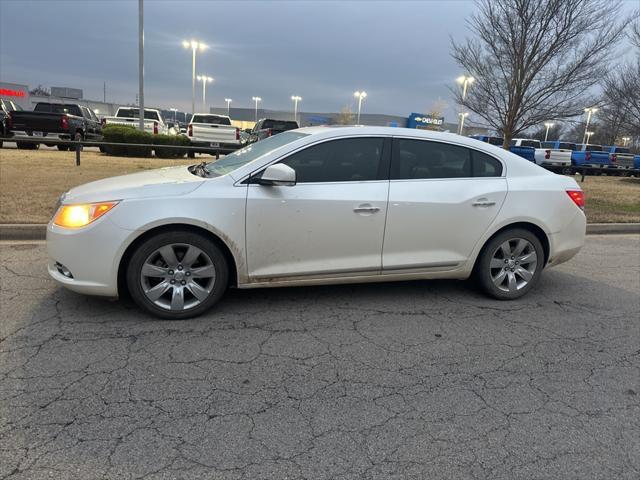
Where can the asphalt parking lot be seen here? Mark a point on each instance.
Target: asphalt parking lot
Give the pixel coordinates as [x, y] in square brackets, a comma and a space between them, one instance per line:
[405, 380]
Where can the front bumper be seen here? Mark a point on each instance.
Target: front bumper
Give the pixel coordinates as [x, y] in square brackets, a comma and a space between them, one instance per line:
[92, 254]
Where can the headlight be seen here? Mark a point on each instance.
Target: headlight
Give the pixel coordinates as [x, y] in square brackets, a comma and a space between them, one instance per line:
[76, 216]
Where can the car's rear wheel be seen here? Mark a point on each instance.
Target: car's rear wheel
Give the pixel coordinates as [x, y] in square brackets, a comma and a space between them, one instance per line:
[63, 148]
[510, 264]
[177, 275]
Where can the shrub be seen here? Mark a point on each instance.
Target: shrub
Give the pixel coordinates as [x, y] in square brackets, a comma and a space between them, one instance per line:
[127, 134]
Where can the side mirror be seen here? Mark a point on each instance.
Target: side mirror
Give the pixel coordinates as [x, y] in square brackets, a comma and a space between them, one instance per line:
[247, 130]
[279, 175]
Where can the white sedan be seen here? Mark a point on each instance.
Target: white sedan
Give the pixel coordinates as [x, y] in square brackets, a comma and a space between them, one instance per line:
[318, 206]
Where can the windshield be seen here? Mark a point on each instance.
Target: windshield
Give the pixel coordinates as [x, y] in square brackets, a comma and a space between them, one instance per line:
[58, 108]
[212, 119]
[248, 154]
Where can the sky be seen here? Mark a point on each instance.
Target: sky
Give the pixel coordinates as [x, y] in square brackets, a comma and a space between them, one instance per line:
[398, 52]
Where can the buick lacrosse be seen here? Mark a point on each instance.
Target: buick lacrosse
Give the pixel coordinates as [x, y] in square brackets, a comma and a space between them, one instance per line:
[313, 206]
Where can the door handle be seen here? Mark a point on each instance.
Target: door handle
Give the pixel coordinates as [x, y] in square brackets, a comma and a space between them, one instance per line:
[483, 202]
[366, 208]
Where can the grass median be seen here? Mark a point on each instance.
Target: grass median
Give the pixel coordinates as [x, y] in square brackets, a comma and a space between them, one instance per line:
[32, 180]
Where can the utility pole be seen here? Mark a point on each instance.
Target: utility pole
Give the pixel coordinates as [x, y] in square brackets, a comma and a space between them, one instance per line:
[141, 63]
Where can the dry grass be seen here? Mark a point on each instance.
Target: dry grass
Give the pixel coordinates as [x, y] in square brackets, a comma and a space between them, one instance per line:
[31, 182]
[611, 199]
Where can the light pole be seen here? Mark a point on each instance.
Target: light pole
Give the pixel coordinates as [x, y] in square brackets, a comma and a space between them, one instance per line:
[141, 65]
[295, 99]
[465, 81]
[256, 99]
[228, 100]
[204, 79]
[589, 111]
[587, 136]
[175, 111]
[624, 140]
[548, 125]
[360, 96]
[194, 45]
[462, 117]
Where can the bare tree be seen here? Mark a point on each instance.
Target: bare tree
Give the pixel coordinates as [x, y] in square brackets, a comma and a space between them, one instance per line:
[534, 60]
[41, 91]
[346, 116]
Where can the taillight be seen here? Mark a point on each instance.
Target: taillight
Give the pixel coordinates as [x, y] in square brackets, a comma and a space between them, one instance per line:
[587, 156]
[64, 122]
[614, 157]
[10, 120]
[547, 154]
[190, 130]
[237, 134]
[269, 133]
[155, 128]
[578, 197]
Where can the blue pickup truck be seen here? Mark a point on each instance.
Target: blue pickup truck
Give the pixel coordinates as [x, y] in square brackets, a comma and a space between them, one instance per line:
[590, 156]
[620, 157]
[526, 152]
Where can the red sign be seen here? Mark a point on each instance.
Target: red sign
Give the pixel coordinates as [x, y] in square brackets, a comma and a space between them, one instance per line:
[11, 93]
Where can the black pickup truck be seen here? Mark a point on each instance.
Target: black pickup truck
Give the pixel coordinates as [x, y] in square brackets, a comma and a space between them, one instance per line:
[54, 121]
[267, 127]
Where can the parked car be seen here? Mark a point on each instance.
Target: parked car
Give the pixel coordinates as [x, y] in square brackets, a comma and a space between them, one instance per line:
[545, 156]
[267, 127]
[589, 155]
[318, 205]
[153, 120]
[522, 151]
[619, 156]
[6, 107]
[54, 121]
[213, 131]
[636, 162]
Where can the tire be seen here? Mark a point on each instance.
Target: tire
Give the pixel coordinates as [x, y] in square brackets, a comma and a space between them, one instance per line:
[63, 148]
[149, 275]
[503, 272]
[191, 154]
[27, 146]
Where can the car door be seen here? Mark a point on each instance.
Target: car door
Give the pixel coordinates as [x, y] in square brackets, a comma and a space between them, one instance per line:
[331, 222]
[442, 198]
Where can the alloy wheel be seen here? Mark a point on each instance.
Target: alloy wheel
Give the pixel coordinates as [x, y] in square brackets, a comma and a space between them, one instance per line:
[513, 264]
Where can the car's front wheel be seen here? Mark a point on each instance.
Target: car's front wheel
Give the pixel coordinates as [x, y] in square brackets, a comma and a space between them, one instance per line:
[510, 264]
[177, 275]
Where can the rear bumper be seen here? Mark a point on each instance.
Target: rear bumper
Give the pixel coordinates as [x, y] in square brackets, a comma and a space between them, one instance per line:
[18, 135]
[566, 243]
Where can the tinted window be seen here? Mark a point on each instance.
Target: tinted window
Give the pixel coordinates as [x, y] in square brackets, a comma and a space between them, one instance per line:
[594, 148]
[530, 143]
[415, 159]
[622, 150]
[133, 113]
[567, 146]
[58, 108]
[281, 125]
[495, 141]
[484, 165]
[346, 160]
[212, 119]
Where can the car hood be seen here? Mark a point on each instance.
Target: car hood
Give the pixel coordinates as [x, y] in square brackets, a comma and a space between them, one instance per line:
[172, 181]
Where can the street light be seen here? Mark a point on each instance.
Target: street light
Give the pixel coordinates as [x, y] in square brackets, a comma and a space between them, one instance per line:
[204, 79]
[587, 136]
[548, 125]
[589, 112]
[256, 99]
[465, 81]
[295, 99]
[194, 45]
[174, 110]
[462, 117]
[360, 96]
[624, 139]
[228, 100]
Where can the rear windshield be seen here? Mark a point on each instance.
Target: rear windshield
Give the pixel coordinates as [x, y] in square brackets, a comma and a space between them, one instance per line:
[567, 146]
[594, 148]
[530, 143]
[212, 119]
[58, 108]
[495, 141]
[248, 154]
[134, 112]
[281, 125]
[622, 150]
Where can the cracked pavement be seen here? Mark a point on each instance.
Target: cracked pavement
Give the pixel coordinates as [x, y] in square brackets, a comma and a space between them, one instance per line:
[380, 381]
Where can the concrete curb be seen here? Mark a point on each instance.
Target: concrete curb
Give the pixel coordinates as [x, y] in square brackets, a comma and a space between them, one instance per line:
[37, 231]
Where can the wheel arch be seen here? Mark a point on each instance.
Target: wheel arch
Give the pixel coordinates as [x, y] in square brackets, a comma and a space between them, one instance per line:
[172, 227]
[529, 226]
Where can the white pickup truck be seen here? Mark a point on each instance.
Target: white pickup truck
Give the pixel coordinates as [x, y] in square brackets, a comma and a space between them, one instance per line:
[153, 121]
[213, 131]
[546, 157]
